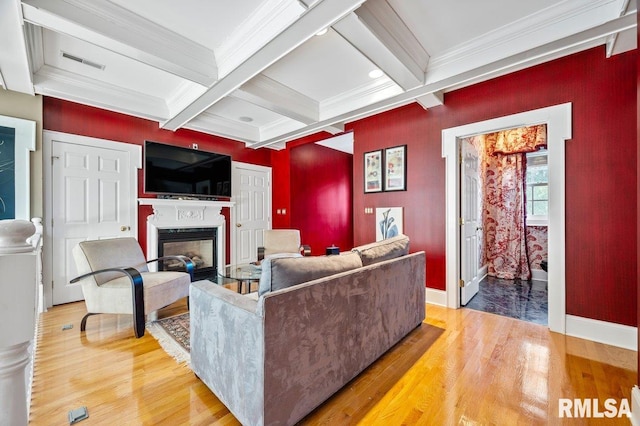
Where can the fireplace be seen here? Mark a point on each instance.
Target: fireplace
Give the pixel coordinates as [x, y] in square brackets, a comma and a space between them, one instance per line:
[181, 221]
[198, 244]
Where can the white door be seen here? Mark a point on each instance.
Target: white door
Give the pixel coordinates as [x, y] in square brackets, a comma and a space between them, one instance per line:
[90, 199]
[251, 187]
[471, 223]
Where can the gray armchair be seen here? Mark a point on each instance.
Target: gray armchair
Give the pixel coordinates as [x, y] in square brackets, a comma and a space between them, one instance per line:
[115, 280]
[278, 241]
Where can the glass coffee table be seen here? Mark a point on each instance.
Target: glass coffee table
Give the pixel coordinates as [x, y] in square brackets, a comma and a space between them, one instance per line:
[243, 273]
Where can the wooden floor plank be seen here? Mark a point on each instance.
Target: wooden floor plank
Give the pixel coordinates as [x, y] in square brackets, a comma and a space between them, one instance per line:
[458, 367]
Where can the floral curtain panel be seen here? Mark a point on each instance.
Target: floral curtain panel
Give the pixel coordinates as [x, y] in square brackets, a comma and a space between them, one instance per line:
[503, 170]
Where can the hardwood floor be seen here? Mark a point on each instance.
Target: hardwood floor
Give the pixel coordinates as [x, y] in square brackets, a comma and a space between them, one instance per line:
[459, 367]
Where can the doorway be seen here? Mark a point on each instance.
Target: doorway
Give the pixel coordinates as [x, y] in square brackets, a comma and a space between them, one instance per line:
[90, 193]
[558, 120]
[504, 205]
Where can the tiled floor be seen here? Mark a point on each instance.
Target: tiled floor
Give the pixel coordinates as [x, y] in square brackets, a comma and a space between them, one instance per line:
[525, 300]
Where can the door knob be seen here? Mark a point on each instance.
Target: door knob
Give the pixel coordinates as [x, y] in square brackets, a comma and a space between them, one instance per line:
[125, 228]
[238, 225]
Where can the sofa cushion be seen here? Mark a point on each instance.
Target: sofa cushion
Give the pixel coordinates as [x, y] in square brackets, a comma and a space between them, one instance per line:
[383, 250]
[279, 273]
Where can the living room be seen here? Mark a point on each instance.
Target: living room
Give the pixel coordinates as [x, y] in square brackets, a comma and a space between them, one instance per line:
[600, 162]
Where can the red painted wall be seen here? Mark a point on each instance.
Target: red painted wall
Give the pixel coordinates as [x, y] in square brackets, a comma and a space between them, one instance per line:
[70, 117]
[638, 184]
[281, 189]
[601, 184]
[321, 193]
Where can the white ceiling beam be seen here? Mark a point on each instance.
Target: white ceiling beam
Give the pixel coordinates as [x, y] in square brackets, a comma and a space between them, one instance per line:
[133, 37]
[334, 128]
[541, 54]
[14, 63]
[538, 29]
[356, 33]
[272, 95]
[383, 22]
[431, 100]
[320, 16]
[269, 19]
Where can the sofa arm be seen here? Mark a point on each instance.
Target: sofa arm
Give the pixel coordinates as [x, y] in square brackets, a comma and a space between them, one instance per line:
[227, 348]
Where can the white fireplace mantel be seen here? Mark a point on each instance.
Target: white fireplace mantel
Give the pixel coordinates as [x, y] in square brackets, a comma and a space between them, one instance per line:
[174, 214]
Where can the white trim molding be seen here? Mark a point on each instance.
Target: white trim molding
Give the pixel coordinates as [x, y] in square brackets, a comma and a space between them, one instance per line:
[436, 297]
[622, 336]
[558, 120]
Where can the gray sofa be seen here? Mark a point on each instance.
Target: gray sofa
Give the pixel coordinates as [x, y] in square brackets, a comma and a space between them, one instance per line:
[272, 359]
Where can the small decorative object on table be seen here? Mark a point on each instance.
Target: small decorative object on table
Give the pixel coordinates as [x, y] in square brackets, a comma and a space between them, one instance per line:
[332, 250]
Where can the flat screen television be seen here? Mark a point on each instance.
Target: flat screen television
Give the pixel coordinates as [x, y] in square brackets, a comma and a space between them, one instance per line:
[185, 172]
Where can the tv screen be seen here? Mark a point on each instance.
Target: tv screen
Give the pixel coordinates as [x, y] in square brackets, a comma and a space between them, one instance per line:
[174, 170]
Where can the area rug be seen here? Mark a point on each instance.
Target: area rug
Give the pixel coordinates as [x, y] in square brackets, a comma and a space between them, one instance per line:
[172, 334]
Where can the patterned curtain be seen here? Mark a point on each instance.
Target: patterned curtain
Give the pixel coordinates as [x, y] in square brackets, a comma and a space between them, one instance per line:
[503, 169]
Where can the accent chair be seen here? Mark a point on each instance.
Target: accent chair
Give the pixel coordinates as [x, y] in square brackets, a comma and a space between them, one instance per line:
[116, 280]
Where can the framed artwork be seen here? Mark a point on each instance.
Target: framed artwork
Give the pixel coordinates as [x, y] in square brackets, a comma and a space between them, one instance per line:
[388, 222]
[395, 178]
[373, 171]
[17, 140]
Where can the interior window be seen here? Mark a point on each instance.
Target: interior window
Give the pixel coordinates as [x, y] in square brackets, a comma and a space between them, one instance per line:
[537, 190]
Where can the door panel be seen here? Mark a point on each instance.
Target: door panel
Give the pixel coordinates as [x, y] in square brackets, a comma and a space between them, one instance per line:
[471, 226]
[90, 200]
[252, 210]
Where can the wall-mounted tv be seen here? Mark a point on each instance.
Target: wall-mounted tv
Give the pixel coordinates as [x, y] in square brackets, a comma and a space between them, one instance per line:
[185, 172]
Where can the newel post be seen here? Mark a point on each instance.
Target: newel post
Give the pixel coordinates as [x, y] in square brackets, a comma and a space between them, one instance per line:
[18, 311]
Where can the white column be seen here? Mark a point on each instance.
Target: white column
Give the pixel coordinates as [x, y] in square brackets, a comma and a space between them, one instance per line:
[18, 311]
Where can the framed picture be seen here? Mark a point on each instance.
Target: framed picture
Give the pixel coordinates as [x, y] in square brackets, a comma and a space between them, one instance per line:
[388, 222]
[373, 171]
[395, 168]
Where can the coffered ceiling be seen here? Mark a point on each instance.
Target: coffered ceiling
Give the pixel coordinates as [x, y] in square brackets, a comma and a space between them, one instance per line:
[259, 71]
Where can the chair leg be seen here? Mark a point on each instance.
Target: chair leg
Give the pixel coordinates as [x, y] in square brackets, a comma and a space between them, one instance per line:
[83, 323]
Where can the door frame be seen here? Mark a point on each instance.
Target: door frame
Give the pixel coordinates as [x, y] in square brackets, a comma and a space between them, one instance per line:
[235, 165]
[48, 138]
[558, 120]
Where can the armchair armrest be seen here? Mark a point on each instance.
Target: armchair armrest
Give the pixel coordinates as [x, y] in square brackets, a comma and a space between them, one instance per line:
[137, 290]
[186, 261]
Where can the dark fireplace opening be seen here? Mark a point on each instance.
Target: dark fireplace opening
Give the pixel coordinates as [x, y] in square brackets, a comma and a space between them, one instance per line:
[198, 244]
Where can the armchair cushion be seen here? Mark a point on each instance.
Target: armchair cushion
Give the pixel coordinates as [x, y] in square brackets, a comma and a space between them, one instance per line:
[277, 241]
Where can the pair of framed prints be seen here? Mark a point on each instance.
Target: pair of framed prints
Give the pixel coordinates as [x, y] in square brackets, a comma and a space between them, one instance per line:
[386, 169]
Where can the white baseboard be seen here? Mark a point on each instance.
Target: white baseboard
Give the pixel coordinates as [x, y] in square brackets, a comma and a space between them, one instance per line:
[623, 336]
[436, 297]
[539, 275]
[635, 406]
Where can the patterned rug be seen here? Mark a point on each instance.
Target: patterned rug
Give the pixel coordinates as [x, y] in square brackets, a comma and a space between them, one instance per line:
[173, 335]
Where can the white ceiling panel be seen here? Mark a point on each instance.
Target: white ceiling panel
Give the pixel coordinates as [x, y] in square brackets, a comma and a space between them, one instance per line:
[118, 70]
[255, 72]
[323, 67]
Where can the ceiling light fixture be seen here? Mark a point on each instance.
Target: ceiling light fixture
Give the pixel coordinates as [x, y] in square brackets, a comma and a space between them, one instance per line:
[246, 119]
[375, 73]
[322, 32]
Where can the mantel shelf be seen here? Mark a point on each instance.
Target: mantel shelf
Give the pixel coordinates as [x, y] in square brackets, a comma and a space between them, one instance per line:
[186, 203]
